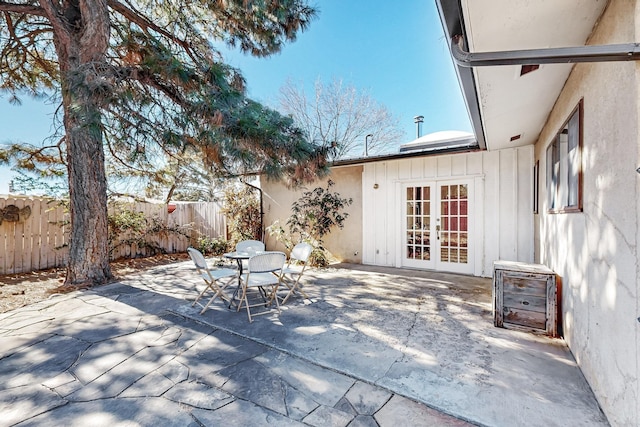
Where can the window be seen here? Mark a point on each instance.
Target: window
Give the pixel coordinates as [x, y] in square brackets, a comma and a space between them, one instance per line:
[564, 166]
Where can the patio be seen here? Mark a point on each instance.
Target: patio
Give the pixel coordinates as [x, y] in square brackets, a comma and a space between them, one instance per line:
[376, 347]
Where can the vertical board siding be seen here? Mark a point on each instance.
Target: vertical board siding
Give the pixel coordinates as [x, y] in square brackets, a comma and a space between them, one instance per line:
[381, 220]
[417, 168]
[507, 205]
[525, 231]
[459, 165]
[444, 166]
[492, 230]
[430, 167]
[503, 222]
[368, 174]
[41, 240]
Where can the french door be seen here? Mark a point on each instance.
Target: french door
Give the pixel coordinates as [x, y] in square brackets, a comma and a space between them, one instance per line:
[436, 226]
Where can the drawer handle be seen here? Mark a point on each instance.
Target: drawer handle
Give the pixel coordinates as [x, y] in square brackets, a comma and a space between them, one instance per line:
[525, 302]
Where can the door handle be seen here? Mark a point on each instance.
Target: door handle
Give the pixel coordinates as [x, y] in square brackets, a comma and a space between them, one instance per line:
[438, 232]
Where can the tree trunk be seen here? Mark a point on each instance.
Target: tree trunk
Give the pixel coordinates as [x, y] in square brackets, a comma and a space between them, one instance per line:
[88, 251]
[81, 36]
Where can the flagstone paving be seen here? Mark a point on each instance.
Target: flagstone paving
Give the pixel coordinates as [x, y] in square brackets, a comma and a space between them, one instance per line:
[371, 348]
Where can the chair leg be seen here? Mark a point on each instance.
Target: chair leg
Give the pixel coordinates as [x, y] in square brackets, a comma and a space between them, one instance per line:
[271, 295]
[243, 299]
[292, 290]
[201, 293]
[246, 304]
[218, 294]
[274, 293]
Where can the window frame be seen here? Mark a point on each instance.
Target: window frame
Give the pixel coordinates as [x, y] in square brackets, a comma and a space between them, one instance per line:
[563, 162]
[536, 186]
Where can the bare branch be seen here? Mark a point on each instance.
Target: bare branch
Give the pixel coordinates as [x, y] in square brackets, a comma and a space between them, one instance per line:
[339, 116]
[26, 9]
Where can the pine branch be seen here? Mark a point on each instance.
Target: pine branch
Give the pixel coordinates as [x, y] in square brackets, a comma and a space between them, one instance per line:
[143, 22]
[26, 9]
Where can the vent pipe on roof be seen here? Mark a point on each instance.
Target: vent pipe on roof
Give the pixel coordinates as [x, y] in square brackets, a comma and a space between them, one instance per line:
[418, 121]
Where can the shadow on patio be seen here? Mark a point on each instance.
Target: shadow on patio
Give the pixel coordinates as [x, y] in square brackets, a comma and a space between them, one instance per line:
[387, 333]
[424, 335]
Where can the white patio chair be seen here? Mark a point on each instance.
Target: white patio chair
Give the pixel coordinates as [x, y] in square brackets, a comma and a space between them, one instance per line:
[295, 268]
[251, 247]
[214, 278]
[265, 270]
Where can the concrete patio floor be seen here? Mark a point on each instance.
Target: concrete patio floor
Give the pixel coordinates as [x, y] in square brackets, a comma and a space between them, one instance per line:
[373, 347]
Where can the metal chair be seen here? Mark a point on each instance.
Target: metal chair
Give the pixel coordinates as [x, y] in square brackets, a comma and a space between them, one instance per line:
[265, 270]
[212, 277]
[292, 274]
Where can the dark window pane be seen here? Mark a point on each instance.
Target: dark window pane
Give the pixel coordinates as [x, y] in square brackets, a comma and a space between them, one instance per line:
[444, 208]
[444, 192]
[409, 193]
[573, 159]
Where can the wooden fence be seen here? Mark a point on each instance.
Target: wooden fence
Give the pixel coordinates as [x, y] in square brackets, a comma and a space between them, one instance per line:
[34, 231]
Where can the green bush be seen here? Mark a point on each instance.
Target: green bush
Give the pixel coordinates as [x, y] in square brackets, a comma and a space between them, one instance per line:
[134, 229]
[313, 216]
[242, 209]
[212, 245]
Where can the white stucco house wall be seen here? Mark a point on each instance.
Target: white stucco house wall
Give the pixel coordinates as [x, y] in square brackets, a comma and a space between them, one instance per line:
[533, 76]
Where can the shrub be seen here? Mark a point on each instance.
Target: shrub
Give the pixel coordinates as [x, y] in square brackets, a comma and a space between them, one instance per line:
[242, 209]
[134, 229]
[313, 216]
[214, 246]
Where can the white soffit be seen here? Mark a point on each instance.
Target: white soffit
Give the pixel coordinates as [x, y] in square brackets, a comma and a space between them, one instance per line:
[511, 104]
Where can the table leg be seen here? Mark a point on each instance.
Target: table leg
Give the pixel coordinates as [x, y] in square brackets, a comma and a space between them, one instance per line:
[235, 293]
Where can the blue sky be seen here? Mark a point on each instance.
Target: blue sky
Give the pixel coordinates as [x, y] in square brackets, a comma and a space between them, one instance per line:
[394, 50]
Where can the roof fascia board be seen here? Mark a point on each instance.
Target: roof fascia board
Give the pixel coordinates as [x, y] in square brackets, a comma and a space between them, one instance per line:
[383, 158]
[450, 12]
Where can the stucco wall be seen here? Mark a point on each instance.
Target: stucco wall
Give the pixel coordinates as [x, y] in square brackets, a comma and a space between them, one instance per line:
[502, 224]
[344, 244]
[596, 251]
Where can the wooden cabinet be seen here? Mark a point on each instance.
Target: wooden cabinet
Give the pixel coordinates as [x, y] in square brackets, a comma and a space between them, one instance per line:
[525, 297]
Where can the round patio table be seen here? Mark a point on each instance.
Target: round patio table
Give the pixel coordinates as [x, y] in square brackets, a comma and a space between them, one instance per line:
[239, 257]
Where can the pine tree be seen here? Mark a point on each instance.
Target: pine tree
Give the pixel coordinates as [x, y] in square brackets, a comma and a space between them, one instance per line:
[140, 79]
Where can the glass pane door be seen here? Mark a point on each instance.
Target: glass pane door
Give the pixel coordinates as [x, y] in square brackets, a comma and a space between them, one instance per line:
[453, 222]
[418, 216]
[436, 226]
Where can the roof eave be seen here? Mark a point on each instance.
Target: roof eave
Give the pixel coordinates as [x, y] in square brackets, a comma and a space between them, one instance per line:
[451, 19]
[399, 156]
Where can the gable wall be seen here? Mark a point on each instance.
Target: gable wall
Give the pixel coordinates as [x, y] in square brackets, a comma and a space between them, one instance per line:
[596, 251]
[344, 244]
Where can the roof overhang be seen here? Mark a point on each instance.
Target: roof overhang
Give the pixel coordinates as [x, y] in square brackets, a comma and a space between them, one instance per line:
[492, 39]
[433, 151]
[453, 25]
